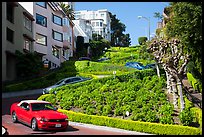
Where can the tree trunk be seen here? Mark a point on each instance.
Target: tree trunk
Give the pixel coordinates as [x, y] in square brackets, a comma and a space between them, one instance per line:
[179, 84]
[175, 95]
[169, 89]
[158, 72]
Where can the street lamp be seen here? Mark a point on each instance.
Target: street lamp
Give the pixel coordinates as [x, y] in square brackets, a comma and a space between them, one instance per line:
[148, 19]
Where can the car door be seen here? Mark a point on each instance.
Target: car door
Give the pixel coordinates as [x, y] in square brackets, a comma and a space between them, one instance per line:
[68, 81]
[25, 112]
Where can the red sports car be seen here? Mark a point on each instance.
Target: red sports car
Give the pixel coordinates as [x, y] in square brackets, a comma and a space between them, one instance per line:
[39, 115]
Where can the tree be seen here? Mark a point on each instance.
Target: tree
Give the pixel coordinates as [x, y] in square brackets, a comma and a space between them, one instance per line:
[117, 29]
[142, 40]
[169, 53]
[80, 48]
[158, 15]
[185, 23]
[96, 37]
[67, 9]
[126, 40]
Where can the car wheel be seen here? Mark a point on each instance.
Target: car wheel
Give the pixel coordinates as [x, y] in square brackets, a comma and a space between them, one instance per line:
[34, 124]
[14, 117]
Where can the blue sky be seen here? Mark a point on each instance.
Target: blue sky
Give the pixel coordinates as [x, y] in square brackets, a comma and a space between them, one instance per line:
[127, 13]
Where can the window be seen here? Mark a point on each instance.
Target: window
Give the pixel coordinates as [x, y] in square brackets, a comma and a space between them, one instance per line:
[93, 24]
[101, 24]
[10, 12]
[27, 23]
[57, 35]
[65, 36]
[57, 20]
[41, 20]
[55, 52]
[65, 53]
[97, 23]
[102, 15]
[41, 4]
[41, 39]
[65, 21]
[27, 44]
[24, 105]
[9, 35]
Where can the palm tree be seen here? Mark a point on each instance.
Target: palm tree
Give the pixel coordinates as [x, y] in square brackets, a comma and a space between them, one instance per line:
[67, 9]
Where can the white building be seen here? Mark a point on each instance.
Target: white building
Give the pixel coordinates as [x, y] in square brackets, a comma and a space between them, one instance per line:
[100, 21]
[53, 32]
[83, 28]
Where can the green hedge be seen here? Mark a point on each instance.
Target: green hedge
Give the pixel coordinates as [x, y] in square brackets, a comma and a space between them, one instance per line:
[197, 115]
[147, 127]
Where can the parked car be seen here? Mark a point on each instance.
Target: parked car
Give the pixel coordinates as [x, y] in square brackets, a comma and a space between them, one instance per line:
[136, 65]
[103, 59]
[69, 80]
[84, 58]
[39, 115]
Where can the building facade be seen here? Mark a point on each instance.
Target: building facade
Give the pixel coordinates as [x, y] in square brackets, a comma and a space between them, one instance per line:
[83, 28]
[53, 32]
[100, 21]
[17, 34]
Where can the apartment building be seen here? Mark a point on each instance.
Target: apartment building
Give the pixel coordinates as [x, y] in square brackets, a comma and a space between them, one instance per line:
[53, 32]
[100, 21]
[17, 34]
[83, 28]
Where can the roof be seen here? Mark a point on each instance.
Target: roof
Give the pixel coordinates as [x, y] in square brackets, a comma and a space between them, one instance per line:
[32, 101]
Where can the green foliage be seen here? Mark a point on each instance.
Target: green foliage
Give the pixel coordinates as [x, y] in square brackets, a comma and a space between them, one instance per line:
[197, 85]
[197, 115]
[166, 112]
[118, 38]
[97, 47]
[80, 48]
[186, 24]
[28, 64]
[147, 127]
[142, 40]
[186, 117]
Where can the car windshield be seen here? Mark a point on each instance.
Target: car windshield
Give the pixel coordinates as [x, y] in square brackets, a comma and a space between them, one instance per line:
[59, 82]
[42, 106]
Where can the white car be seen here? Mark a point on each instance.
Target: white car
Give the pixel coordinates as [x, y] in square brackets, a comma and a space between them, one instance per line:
[65, 81]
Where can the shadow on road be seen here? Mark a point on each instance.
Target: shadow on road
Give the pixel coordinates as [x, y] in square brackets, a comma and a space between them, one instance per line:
[69, 129]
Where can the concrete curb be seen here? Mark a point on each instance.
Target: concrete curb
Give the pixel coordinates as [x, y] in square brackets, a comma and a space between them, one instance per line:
[108, 128]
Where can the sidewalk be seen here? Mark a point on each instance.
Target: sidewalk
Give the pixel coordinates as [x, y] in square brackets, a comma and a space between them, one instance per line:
[21, 93]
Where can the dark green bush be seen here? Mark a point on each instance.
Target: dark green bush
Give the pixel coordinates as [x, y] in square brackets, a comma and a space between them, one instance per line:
[142, 40]
[186, 117]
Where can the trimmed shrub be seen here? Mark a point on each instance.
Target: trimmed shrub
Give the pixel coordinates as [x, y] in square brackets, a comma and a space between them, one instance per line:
[142, 40]
[147, 127]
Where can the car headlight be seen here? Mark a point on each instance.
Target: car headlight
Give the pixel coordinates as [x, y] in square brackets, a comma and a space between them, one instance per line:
[44, 119]
[66, 119]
